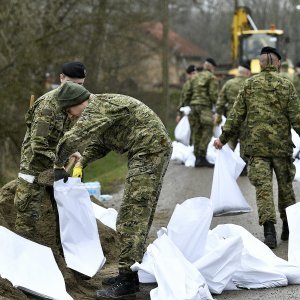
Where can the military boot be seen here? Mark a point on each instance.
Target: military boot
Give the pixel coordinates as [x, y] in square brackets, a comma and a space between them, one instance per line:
[113, 279]
[270, 235]
[124, 287]
[285, 231]
[201, 161]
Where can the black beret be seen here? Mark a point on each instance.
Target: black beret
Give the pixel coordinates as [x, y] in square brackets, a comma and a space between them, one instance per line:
[246, 65]
[267, 50]
[298, 64]
[211, 61]
[190, 69]
[74, 69]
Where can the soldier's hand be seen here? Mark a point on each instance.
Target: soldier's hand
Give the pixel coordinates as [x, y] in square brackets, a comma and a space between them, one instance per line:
[76, 155]
[178, 119]
[77, 170]
[218, 144]
[60, 173]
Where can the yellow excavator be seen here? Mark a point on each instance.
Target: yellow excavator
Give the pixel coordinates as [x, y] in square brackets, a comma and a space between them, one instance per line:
[247, 40]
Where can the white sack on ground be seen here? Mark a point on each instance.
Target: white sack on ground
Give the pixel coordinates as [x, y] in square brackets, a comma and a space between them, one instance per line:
[176, 277]
[78, 227]
[145, 269]
[183, 154]
[221, 259]
[211, 152]
[297, 165]
[226, 195]
[293, 213]
[258, 263]
[183, 129]
[296, 142]
[189, 225]
[30, 266]
[107, 216]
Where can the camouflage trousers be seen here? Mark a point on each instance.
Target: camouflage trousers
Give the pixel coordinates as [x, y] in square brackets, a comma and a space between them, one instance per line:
[202, 128]
[142, 189]
[260, 174]
[28, 200]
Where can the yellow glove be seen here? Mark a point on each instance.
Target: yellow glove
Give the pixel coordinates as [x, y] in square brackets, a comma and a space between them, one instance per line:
[77, 171]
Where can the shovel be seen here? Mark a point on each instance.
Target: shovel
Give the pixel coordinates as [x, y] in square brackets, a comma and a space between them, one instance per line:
[47, 177]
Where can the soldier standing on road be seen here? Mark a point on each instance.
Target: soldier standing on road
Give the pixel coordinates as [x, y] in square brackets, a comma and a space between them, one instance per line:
[201, 96]
[46, 124]
[191, 72]
[269, 106]
[228, 95]
[123, 124]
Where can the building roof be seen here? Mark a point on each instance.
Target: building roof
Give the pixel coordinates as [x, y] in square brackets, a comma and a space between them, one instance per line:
[178, 44]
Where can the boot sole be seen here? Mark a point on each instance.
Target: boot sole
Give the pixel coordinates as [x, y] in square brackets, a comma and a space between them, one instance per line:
[124, 297]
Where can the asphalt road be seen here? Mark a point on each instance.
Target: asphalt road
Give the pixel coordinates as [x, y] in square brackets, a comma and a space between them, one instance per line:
[182, 183]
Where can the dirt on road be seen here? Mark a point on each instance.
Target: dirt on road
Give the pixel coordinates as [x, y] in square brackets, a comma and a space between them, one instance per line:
[180, 183]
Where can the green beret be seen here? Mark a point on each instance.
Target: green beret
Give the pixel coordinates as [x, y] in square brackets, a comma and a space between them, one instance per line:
[71, 94]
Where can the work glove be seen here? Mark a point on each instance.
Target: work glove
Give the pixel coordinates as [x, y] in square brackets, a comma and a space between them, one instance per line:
[60, 173]
[77, 170]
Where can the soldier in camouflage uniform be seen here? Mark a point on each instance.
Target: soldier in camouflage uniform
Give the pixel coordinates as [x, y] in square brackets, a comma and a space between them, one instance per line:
[201, 95]
[122, 124]
[228, 95]
[269, 105]
[190, 73]
[296, 79]
[46, 124]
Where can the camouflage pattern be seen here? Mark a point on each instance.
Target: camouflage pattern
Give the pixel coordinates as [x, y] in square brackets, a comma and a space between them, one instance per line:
[261, 174]
[46, 124]
[227, 96]
[269, 105]
[201, 94]
[296, 82]
[202, 128]
[186, 88]
[286, 75]
[123, 124]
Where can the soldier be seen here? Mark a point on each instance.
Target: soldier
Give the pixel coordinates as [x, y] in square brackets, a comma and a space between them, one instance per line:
[46, 124]
[296, 78]
[270, 105]
[228, 95]
[123, 124]
[201, 96]
[190, 73]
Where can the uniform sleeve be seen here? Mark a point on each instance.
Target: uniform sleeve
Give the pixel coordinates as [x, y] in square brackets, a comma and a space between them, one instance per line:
[235, 118]
[95, 150]
[186, 94]
[91, 122]
[40, 130]
[222, 100]
[294, 109]
[213, 90]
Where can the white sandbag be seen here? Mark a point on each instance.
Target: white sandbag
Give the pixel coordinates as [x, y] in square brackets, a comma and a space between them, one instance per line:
[176, 277]
[297, 166]
[211, 152]
[183, 129]
[226, 195]
[296, 142]
[145, 269]
[183, 154]
[221, 259]
[293, 213]
[189, 225]
[30, 267]
[218, 128]
[107, 216]
[258, 263]
[78, 227]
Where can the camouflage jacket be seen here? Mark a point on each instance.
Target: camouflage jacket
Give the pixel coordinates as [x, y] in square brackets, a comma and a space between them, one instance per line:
[115, 122]
[185, 94]
[286, 75]
[202, 90]
[269, 105]
[228, 95]
[46, 124]
[296, 82]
